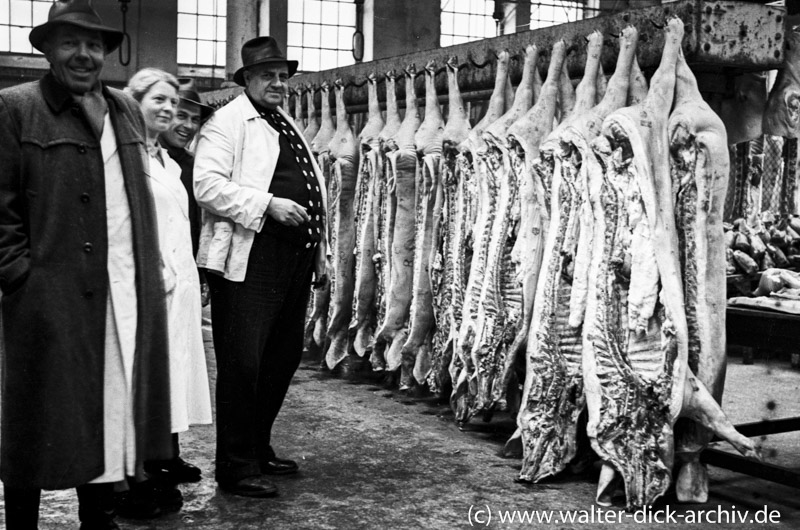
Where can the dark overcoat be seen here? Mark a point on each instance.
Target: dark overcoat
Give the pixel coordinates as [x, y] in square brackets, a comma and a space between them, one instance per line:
[53, 252]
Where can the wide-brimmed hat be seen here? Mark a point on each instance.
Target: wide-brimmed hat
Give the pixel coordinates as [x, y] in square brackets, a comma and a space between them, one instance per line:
[259, 51]
[187, 92]
[77, 13]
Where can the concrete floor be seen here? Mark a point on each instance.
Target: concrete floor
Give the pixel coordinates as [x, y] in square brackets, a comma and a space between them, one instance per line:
[373, 458]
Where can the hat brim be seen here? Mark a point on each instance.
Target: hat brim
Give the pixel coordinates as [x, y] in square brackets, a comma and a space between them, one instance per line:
[205, 110]
[238, 76]
[111, 37]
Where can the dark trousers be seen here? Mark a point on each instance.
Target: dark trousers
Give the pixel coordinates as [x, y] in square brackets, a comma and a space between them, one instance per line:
[257, 328]
[95, 507]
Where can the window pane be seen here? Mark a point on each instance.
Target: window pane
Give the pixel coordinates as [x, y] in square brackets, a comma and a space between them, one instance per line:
[477, 27]
[187, 26]
[187, 6]
[345, 58]
[447, 40]
[327, 59]
[310, 60]
[4, 11]
[205, 7]
[40, 11]
[345, 38]
[222, 31]
[222, 7]
[490, 29]
[347, 14]
[461, 24]
[295, 13]
[205, 52]
[21, 13]
[4, 36]
[205, 27]
[19, 40]
[186, 52]
[311, 12]
[311, 34]
[294, 34]
[220, 59]
[330, 37]
[447, 23]
[294, 53]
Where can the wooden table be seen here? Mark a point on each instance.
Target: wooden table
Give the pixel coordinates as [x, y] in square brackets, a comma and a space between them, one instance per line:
[765, 330]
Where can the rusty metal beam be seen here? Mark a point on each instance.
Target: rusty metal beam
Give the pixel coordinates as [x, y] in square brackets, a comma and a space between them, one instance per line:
[721, 37]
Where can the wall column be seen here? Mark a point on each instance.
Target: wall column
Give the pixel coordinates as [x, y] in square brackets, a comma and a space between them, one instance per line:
[241, 25]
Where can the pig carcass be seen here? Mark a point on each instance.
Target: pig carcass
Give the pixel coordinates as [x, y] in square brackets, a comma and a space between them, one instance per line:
[447, 274]
[636, 378]
[344, 155]
[317, 324]
[416, 352]
[500, 300]
[523, 139]
[385, 209]
[401, 184]
[473, 239]
[364, 319]
[312, 124]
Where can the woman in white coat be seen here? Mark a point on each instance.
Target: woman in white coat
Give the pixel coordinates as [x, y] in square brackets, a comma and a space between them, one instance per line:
[156, 91]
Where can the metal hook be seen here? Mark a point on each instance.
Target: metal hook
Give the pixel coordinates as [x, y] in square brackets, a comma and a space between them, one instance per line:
[126, 38]
[656, 24]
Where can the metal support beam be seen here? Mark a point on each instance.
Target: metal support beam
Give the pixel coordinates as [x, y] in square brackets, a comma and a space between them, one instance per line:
[721, 36]
[745, 466]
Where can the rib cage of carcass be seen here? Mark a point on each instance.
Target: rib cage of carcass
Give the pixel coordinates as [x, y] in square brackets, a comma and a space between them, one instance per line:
[581, 227]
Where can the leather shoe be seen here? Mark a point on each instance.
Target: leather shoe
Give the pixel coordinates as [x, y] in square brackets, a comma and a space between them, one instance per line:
[258, 486]
[176, 471]
[279, 466]
[137, 503]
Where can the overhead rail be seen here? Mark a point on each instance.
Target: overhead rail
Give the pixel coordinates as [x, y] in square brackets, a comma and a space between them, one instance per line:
[721, 37]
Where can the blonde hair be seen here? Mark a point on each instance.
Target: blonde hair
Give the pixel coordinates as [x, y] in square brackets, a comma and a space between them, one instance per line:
[143, 80]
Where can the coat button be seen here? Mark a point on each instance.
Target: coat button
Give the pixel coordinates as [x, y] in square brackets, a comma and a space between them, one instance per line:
[87, 247]
[308, 245]
[88, 294]
[84, 197]
[82, 148]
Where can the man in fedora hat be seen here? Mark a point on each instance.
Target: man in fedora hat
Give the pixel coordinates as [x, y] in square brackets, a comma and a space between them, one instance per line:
[85, 390]
[190, 116]
[262, 240]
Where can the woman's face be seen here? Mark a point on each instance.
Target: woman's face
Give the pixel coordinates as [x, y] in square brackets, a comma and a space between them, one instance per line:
[158, 107]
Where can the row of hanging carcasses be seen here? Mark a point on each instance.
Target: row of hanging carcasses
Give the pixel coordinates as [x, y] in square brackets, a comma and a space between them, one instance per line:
[581, 227]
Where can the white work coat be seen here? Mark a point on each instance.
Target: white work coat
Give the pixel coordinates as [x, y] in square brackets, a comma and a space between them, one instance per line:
[188, 376]
[236, 156]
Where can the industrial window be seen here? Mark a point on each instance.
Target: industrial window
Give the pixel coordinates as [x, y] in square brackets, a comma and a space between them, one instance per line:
[320, 33]
[466, 20]
[201, 32]
[554, 12]
[17, 17]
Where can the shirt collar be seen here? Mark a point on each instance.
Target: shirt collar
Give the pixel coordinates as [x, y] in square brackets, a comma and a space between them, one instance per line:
[261, 109]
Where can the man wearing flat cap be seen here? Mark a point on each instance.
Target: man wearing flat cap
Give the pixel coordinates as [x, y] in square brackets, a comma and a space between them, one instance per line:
[262, 241]
[85, 389]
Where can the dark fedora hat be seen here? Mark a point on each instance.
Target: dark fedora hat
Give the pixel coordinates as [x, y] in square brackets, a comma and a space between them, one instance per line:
[77, 13]
[189, 94]
[259, 51]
